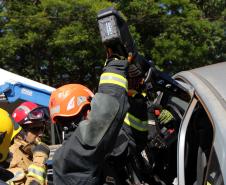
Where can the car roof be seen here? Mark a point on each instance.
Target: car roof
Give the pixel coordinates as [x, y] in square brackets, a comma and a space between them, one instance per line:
[214, 75]
[209, 84]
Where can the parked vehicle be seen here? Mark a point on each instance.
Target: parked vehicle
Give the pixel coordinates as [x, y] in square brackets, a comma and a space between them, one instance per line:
[198, 156]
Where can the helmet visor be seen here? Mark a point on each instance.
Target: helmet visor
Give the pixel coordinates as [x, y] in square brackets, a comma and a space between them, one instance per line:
[38, 114]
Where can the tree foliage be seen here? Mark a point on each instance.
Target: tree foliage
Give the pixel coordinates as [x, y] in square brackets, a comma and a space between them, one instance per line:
[54, 41]
[177, 31]
[58, 42]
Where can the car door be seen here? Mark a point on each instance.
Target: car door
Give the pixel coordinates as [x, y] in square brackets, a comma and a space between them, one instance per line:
[195, 136]
[214, 173]
[165, 160]
[195, 141]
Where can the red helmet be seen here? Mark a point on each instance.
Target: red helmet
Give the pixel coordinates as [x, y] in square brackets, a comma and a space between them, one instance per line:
[20, 114]
[69, 100]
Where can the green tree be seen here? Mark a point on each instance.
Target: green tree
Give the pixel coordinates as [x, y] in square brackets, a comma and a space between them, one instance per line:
[58, 42]
[211, 8]
[175, 30]
[52, 41]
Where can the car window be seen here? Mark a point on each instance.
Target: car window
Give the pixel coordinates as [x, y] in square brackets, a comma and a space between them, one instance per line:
[177, 103]
[198, 143]
[214, 174]
[177, 106]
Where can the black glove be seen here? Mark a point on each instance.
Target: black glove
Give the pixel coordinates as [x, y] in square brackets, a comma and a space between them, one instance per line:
[138, 67]
[5, 175]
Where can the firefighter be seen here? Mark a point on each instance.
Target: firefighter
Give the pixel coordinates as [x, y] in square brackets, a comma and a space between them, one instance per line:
[69, 105]
[8, 130]
[133, 134]
[80, 159]
[93, 129]
[29, 154]
[83, 155]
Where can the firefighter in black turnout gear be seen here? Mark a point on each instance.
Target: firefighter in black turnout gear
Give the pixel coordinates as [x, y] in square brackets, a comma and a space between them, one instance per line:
[114, 127]
[81, 158]
[107, 130]
[131, 140]
[114, 130]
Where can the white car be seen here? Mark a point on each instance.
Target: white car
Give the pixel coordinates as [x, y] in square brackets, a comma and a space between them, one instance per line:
[201, 146]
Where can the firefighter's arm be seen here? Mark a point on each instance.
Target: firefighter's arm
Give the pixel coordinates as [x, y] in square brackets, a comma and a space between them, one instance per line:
[113, 80]
[19, 175]
[108, 109]
[37, 170]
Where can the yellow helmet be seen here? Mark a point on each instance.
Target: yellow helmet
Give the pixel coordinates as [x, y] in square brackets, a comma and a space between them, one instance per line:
[8, 130]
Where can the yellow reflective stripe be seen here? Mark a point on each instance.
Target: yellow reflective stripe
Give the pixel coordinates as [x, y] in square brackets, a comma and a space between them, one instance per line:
[41, 169]
[32, 174]
[114, 78]
[37, 172]
[136, 123]
[144, 94]
[207, 183]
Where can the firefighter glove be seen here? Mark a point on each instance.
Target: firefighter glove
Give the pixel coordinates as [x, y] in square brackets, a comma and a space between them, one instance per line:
[137, 67]
[40, 153]
[165, 117]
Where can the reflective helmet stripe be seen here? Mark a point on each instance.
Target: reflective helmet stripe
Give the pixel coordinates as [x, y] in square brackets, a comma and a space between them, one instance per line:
[136, 123]
[113, 78]
[37, 172]
[24, 108]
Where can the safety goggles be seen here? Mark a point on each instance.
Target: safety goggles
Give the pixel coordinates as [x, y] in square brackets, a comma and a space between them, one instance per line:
[39, 114]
